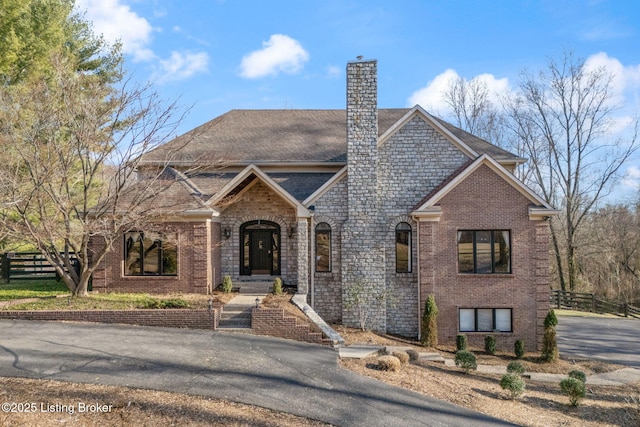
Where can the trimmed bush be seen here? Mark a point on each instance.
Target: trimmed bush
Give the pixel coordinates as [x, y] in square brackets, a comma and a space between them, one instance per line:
[389, 363]
[514, 384]
[519, 349]
[227, 284]
[549, 341]
[175, 303]
[277, 286]
[574, 389]
[490, 344]
[515, 368]
[579, 375]
[466, 360]
[549, 345]
[413, 355]
[461, 342]
[402, 356]
[429, 333]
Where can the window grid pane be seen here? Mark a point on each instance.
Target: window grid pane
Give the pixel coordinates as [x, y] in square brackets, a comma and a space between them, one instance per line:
[403, 248]
[323, 247]
[485, 319]
[484, 252]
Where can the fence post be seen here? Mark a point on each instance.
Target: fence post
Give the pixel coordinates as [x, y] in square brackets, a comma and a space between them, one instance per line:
[5, 268]
[626, 309]
[593, 304]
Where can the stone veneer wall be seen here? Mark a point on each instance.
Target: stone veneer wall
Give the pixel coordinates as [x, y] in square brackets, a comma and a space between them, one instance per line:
[194, 274]
[362, 249]
[332, 209]
[484, 201]
[411, 163]
[259, 203]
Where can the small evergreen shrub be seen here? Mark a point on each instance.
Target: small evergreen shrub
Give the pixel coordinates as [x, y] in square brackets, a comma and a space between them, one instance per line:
[549, 341]
[461, 342]
[389, 363]
[227, 285]
[175, 303]
[514, 384]
[579, 375]
[402, 356]
[574, 389]
[549, 345]
[466, 360]
[490, 344]
[429, 333]
[277, 286]
[413, 355]
[515, 368]
[519, 349]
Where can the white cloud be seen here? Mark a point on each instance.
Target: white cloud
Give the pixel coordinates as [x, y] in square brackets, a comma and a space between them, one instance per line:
[280, 54]
[180, 66]
[632, 177]
[334, 71]
[116, 21]
[431, 97]
[626, 79]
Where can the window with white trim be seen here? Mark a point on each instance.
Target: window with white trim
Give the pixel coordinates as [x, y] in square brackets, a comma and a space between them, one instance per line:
[485, 320]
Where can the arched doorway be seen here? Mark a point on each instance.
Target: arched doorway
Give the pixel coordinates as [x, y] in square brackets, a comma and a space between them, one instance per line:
[259, 248]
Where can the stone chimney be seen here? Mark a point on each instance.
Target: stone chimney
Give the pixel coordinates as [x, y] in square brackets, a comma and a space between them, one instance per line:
[363, 260]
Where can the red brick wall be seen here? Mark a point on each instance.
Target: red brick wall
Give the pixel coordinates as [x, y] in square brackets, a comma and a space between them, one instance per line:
[484, 201]
[173, 318]
[273, 322]
[194, 276]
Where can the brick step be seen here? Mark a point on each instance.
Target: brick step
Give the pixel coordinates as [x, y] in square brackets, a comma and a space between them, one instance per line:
[229, 325]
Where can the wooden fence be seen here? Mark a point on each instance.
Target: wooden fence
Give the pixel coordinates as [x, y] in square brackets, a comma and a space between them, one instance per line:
[588, 302]
[26, 266]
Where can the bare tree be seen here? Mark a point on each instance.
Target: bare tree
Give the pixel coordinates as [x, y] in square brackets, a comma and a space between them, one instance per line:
[473, 110]
[69, 176]
[562, 117]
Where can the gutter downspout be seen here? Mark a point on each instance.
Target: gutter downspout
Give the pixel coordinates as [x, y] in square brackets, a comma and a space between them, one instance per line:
[418, 265]
[312, 257]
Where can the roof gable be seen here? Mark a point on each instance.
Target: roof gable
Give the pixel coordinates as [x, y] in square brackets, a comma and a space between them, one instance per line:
[428, 209]
[420, 112]
[244, 178]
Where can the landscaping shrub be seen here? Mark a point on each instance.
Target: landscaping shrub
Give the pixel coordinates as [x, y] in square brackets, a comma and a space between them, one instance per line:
[466, 360]
[519, 349]
[461, 342]
[429, 323]
[277, 286]
[227, 285]
[413, 355]
[579, 375]
[515, 368]
[514, 384]
[490, 344]
[549, 341]
[574, 389]
[389, 363]
[175, 303]
[402, 356]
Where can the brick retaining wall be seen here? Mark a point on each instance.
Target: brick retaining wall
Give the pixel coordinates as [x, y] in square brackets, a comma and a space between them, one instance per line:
[273, 322]
[172, 318]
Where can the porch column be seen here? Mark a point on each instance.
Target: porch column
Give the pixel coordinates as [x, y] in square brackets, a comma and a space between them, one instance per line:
[303, 256]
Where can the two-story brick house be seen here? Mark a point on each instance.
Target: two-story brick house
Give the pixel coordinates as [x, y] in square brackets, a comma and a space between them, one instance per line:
[324, 199]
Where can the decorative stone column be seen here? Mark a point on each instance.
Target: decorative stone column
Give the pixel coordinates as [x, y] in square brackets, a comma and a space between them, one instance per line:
[302, 233]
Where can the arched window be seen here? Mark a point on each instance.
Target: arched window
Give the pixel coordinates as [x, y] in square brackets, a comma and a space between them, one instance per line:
[323, 247]
[403, 248]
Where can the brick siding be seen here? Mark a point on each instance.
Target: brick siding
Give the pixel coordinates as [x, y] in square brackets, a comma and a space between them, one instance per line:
[484, 201]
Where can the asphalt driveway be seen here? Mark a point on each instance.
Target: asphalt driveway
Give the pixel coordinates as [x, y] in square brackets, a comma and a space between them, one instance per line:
[293, 377]
[614, 340]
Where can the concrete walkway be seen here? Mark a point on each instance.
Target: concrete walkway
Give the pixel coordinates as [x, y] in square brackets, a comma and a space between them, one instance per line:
[289, 376]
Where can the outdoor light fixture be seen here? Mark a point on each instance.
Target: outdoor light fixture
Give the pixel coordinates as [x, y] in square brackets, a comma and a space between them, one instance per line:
[257, 302]
[292, 231]
[227, 233]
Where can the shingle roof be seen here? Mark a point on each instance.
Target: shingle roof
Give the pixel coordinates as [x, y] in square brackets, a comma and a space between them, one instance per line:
[284, 136]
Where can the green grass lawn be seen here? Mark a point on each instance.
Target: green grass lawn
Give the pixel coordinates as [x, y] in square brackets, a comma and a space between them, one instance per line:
[32, 289]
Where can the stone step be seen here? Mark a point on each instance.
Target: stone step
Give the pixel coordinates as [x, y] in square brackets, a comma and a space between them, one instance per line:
[233, 315]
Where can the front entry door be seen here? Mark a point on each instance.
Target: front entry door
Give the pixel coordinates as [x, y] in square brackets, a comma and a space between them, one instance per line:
[260, 252]
[259, 248]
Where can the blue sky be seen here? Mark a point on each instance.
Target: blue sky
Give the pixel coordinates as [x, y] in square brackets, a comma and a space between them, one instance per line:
[219, 55]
